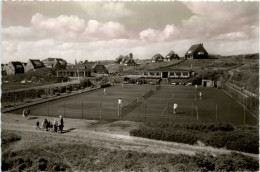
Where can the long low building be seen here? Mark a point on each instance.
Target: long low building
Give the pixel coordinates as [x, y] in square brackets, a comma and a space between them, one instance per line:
[168, 73]
[84, 70]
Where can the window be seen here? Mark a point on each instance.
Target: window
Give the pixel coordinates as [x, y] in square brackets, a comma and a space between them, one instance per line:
[200, 53]
[152, 73]
[158, 73]
[178, 73]
[145, 73]
[189, 52]
[171, 73]
[185, 73]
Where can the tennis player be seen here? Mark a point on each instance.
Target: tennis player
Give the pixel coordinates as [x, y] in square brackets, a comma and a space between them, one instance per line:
[175, 108]
[119, 102]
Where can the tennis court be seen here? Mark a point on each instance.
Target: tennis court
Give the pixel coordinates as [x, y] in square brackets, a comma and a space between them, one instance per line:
[215, 105]
[91, 105]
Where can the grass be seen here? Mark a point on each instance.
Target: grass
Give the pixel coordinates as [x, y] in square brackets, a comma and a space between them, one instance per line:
[216, 135]
[65, 156]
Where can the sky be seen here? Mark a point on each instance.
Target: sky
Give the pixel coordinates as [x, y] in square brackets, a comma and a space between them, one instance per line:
[104, 30]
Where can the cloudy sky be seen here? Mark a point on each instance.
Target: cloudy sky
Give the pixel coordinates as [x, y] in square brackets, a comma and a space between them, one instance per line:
[105, 30]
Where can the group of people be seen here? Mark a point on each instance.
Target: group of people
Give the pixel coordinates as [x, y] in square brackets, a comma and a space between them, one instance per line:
[49, 126]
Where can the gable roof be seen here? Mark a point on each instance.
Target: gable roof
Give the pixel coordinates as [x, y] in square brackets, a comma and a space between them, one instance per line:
[170, 54]
[17, 65]
[36, 63]
[156, 56]
[193, 48]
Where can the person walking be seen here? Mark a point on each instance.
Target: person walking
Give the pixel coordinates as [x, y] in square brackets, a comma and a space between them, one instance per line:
[55, 124]
[200, 95]
[61, 124]
[38, 125]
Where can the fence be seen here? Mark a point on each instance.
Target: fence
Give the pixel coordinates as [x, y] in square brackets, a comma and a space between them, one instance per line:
[250, 102]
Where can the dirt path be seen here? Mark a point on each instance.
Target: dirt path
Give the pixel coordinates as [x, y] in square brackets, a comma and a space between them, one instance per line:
[107, 135]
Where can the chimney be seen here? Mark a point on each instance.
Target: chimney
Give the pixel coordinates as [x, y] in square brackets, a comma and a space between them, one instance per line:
[131, 56]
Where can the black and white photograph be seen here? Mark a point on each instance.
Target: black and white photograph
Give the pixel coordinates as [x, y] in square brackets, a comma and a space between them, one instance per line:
[156, 86]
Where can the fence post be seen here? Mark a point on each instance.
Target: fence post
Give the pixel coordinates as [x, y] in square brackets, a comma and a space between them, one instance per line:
[168, 108]
[100, 111]
[192, 109]
[64, 110]
[82, 109]
[48, 107]
[216, 112]
[14, 99]
[244, 115]
[144, 111]
[197, 113]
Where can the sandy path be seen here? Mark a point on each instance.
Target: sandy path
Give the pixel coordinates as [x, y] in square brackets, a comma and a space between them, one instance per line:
[101, 135]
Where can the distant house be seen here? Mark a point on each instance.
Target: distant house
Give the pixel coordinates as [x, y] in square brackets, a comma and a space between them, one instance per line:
[55, 63]
[87, 69]
[157, 58]
[14, 67]
[3, 68]
[33, 64]
[126, 60]
[172, 55]
[196, 51]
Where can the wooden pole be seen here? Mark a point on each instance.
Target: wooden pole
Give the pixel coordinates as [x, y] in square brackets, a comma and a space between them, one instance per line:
[192, 109]
[197, 113]
[82, 109]
[244, 115]
[144, 111]
[14, 99]
[100, 111]
[216, 112]
[64, 110]
[48, 108]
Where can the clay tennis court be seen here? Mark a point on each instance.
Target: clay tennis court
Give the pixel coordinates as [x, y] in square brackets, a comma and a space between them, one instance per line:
[215, 105]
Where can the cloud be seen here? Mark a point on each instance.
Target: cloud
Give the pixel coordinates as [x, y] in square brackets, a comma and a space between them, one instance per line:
[214, 19]
[103, 31]
[106, 10]
[159, 35]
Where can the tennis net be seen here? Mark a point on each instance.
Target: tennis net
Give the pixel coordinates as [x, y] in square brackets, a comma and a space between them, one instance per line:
[148, 94]
[130, 106]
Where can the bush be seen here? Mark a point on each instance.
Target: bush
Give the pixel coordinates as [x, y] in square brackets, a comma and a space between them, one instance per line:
[42, 164]
[216, 135]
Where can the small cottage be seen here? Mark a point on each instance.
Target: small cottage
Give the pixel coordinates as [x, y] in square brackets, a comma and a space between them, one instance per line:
[33, 64]
[157, 58]
[196, 51]
[14, 67]
[172, 55]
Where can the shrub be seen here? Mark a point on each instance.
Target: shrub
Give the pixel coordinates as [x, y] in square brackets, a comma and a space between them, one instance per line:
[42, 164]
